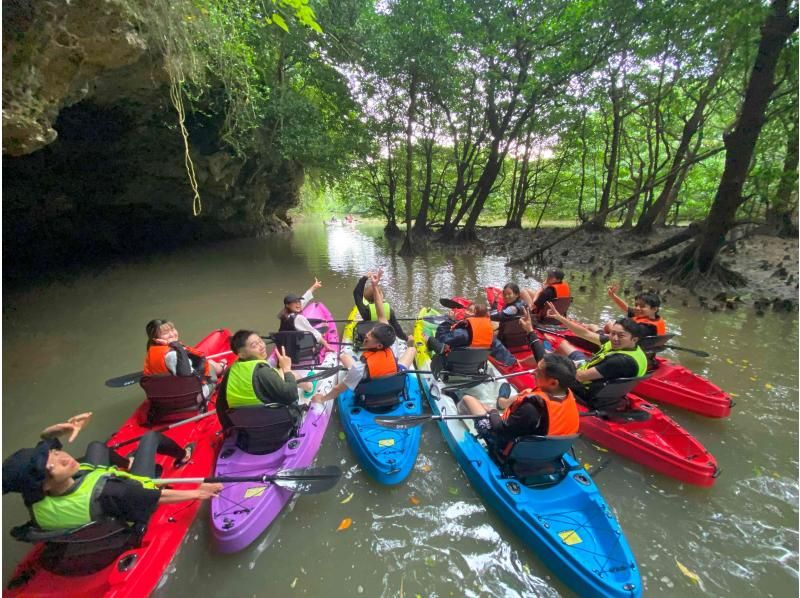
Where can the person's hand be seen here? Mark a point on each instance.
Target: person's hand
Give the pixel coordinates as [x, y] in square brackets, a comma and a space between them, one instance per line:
[375, 279]
[72, 427]
[284, 361]
[325, 344]
[161, 341]
[318, 398]
[410, 338]
[552, 312]
[206, 491]
[317, 284]
[525, 321]
[612, 290]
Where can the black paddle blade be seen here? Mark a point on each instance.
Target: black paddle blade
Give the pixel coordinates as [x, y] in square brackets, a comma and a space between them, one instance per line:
[450, 304]
[402, 422]
[692, 351]
[308, 480]
[123, 381]
[632, 415]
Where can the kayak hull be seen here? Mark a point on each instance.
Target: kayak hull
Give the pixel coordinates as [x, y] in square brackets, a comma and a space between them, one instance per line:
[137, 572]
[386, 455]
[242, 511]
[568, 524]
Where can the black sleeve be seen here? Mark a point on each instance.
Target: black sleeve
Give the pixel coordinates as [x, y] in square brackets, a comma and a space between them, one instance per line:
[128, 500]
[183, 367]
[630, 312]
[617, 366]
[358, 298]
[549, 294]
[396, 325]
[536, 346]
[523, 421]
[270, 388]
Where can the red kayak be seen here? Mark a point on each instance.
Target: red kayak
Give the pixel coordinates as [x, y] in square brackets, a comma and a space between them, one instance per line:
[658, 442]
[669, 383]
[137, 571]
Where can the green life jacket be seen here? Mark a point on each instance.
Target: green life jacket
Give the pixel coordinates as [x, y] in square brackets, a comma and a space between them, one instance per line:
[239, 389]
[373, 313]
[636, 354]
[79, 505]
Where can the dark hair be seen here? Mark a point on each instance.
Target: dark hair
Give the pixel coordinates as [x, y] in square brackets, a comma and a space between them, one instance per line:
[480, 309]
[384, 334]
[557, 274]
[513, 287]
[560, 367]
[633, 327]
[651, 299]
[239, 339]
[152, 328]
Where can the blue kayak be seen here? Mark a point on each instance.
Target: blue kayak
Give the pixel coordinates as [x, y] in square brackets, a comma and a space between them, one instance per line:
[567, 523]
[385, 454]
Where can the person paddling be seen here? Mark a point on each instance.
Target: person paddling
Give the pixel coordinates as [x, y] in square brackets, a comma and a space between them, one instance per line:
[619, 355]
[63, 493]
[547, 410]
[291, 318]
[377, 357]
[364, 297]
[552, 288]
[167, 355]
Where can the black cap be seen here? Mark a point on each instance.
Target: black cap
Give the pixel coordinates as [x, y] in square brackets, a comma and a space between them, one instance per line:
[291, 298]
[25, 471]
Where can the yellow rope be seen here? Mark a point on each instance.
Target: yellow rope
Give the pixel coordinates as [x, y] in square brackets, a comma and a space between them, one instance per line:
[177, 101]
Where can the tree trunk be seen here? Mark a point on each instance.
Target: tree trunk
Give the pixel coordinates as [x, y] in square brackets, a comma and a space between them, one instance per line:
[408, 247]
[779, 211]
[421, 221]
[599, 221]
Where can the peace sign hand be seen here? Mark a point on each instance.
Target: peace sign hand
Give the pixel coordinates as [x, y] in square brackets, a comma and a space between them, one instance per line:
[317, 284]
[284, 361]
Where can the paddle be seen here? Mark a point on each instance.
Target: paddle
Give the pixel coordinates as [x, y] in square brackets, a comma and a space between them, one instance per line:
[271, 339]
[450, 304]
[431, 319]
[633, 415]
[309, 480]
[403, 422]
[134, 377]
[323, 374]
[165, 428]
[556, 332]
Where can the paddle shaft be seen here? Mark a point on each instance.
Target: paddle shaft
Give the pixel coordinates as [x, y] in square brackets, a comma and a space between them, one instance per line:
[310, 474]
[674, 347]
[133, 378]
[165, 428]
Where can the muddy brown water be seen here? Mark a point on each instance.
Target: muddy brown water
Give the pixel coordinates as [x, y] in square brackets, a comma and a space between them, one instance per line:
[61, 341]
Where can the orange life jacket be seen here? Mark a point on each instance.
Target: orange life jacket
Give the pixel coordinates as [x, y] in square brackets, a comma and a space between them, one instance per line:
[563, 419]
[155, 364]
[561, 289]
[482, 332]
[379, 362]
[661, 326]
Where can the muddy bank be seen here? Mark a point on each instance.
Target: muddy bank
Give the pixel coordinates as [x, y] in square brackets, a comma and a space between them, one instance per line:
[769, 264]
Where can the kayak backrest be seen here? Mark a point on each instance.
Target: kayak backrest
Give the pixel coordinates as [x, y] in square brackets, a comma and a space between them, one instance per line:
[381, 394]
[616, 389]
[465, 361]
[172, 398]
[512, 334]
[262, 429]
[562, 306]
[301, 346]
[655, 344]
[533, 455]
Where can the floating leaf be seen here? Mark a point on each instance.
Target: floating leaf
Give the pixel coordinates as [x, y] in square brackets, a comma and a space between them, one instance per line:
[690, 574]
[346, 522]
[587, 466]
[729, 360]
[453, 491]
[757, 470]
[430, 561]
[768, 386]
[348, 499]
[425, 467]
[753, 378]
[733, 394]
[744, 361]
[294, 583]
[526, 568]
[600, 448]
[341, 435]
[414, 500]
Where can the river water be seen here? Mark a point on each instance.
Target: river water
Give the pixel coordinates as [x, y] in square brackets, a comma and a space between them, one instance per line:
[432, 535]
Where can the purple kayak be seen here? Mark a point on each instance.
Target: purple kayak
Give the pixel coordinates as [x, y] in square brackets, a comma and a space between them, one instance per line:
[242, 511]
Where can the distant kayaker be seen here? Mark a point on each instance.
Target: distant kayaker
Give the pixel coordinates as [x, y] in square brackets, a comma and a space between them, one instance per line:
[619, 355]
[547, 410]
[474, 330]
[291, 318]
[552, 288]
[64, 493]
[509, 331]
[377, 357]
[167, 355]
[364, 297]
[251, 381]
[644, 310]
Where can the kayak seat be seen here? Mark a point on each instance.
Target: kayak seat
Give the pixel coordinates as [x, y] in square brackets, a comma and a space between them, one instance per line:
[608, 395]
[381, 394]
[302, 347]
[172, 398]
[360, 332]
[651, 345]
[538, 460]
[512, 335]
[460, 361]
[264, 428]
[83, 550]
[562, 306]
